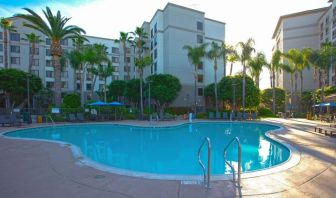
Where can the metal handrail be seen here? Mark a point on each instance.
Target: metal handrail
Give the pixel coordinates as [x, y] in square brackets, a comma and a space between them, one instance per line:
[239, 160]
[50, 119]
[206, 176]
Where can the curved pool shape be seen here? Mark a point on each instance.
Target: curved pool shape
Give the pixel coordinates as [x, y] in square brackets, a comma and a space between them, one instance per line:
[167, 150]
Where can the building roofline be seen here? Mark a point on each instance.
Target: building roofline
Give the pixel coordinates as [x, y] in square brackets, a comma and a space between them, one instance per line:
[326, 12]
[324, 9]
[97, 37]
[215, 21]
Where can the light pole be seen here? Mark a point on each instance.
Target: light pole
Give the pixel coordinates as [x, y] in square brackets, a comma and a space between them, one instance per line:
[149, 102]
[28, 97]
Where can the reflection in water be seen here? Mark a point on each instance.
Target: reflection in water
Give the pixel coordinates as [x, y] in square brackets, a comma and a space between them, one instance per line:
[171, 150]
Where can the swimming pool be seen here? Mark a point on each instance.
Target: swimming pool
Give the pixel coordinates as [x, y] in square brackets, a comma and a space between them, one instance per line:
[167, 150]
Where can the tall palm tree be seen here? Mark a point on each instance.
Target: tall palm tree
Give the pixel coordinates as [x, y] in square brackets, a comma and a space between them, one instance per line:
[195, 55]
[140, 35]
[291, 70]
[275, 66]
[7, 27]
[227, 51]
[105, 72]
[256, 65]
[246, 50]
[232, 59]
[56, 29]
[305, 53]
[141, 63]
[214, 54]
[33, 40]
[125, 39]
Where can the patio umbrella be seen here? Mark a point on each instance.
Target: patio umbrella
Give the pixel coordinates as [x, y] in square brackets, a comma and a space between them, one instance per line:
[98, 103]
[115, 104]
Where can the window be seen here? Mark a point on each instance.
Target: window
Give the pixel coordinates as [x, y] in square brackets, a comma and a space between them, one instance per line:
[50, 85]
[1, 59]
[321, 26]
[101, 78]
[115, 68]
[115, 50]
[88, 87]
[155, 53]
[48, 52]
[126, 77]
[64, 74]
[326, 31]
[128, 50]
[115, 77]
[78, 86]
[49, 74]
[0, 35]
[155, 67]
[14, 36]
[334, 22]
[48, 41]
[200, 91]
[64, 42]
[89, 76]
[200, 66]
[334, 34]
[327, 20]
[15, 60]
[15, 48]
[199, 38]
[127, 69]
[151, 45]
[115, 59]
[1, 47]
[321, 36]
[36, 51]
[128, 59]
[64, 84]
[48, 63]
[101, 87]
[155, 40]
[155, 28]
[200, 78]
[334, 11]
[35, 62]
[199, 26]
[152, 33]
[35, 72]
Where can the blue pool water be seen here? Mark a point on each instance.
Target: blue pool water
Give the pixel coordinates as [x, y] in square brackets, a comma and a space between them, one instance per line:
[167, 150]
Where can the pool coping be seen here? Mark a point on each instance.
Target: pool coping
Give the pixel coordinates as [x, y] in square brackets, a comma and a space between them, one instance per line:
[81, 159]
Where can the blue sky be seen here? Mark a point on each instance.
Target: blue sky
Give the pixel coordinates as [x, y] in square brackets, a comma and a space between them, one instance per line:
[106, 18]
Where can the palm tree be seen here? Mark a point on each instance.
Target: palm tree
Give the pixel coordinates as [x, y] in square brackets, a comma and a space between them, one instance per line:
[227, 51]
[232, 59]
[56, 29]
[246, 50]
[214, 54]
[141, 63]
[125, 39]
[292, 70]
[195, 55]
[105, 72]
[139, 40]
[275, 66]
[33, 40]
[256, 65]
[7, 27]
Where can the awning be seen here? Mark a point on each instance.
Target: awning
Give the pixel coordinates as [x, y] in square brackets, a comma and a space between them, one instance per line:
[326, 104]
[98, 103]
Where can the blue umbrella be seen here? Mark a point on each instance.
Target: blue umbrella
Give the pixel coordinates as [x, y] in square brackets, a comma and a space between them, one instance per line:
[115, 103]
[98, 103]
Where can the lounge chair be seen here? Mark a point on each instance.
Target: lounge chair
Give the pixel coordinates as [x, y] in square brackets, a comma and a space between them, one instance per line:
[211, 115]
[225, 116]
[232, 116]
[218, 115]
[80, 117]
[254, 116]
[239, 116]
[72, 118]
[325, 130]
[13, 120]
[245, 116]
[4, 119]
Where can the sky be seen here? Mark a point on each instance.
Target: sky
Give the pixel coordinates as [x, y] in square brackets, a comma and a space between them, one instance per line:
[106, 18]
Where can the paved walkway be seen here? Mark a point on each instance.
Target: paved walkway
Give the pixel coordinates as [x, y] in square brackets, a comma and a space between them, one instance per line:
[40, 169]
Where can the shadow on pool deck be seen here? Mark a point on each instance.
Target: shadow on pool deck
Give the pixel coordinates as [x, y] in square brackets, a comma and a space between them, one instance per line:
[41, 169]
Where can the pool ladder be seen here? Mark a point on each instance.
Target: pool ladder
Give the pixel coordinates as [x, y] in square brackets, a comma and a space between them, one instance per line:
[52, 121]
[207, 173]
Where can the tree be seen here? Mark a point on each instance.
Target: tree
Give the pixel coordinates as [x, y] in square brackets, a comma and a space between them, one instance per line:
[43, 98]
[125, 39]
[227, 51]
[209, 91]
[141, 63]
[7, 27]
[71, 101]
[267, 98]
[132, 91]
[139, 40]
[105, 72]
[225, 90]
[256, 65]
[164, 89]
[56, 29]
[232, 58]
[195, 55]
[33, 40]
[117, 89]
[291, 70]
[214, 54]
[246, 50]
[13, 83]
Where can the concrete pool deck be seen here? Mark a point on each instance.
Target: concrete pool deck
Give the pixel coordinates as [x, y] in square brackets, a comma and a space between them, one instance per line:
[42, 169]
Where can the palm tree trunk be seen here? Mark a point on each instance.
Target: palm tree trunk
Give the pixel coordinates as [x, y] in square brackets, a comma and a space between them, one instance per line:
[244, 81]
[257, 80]
[231, 68]
[216, 96]
[82, 72]
[224, 66]
[6, 47]
[195, 98]
[31, 57]
[273, 91]
[104, 89]
[292, 87]
[141, 103]
[93, 85]
[296, 92]
[58, 82]
[125, 61]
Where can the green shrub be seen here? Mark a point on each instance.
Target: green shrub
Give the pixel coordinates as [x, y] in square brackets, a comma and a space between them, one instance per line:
[177, 110]
[201, 115]
[265, 112]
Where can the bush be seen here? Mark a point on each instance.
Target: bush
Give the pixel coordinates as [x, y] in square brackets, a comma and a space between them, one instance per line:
[265, 112]
[177, 110]
[71, 103]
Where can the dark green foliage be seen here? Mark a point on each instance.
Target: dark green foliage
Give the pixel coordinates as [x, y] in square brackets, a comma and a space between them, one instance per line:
[14, 84]
[280, 96]
[132, 90]
[164, 89]
[117, 89]
[44, 98]
[307, 101]
[265, 112]
[71, 101]
[225, 91]
[209, 91]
